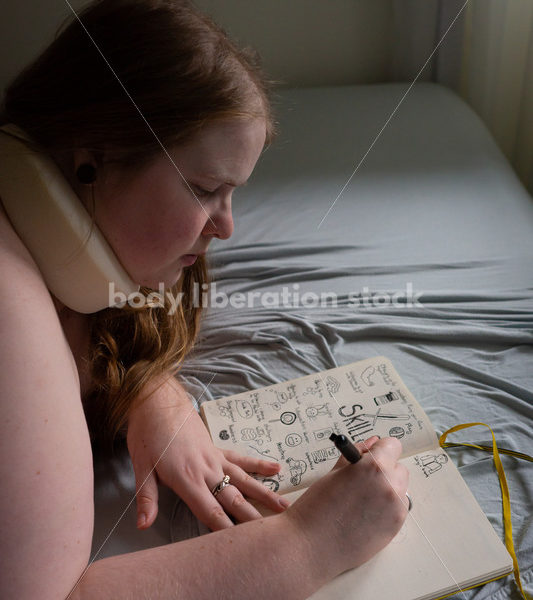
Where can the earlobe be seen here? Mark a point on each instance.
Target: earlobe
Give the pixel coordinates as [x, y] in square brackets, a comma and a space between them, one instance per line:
[85, 166]
[86, 173]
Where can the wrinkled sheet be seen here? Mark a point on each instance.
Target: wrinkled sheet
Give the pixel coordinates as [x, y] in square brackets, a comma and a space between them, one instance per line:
[427, 257]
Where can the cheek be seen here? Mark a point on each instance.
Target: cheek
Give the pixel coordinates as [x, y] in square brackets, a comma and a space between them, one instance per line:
[177, 228]
[149, 235]
[162, 236]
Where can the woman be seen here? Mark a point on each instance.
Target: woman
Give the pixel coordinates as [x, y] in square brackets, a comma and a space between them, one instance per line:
[69, 379]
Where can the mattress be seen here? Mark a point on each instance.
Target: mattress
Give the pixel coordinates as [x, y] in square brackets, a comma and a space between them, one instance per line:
[356, 236]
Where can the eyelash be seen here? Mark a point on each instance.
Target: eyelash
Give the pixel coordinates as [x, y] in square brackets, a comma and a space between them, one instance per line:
[200, 192]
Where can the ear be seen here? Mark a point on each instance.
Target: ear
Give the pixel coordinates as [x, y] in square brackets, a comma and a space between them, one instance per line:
[83, 191]
[82, 156]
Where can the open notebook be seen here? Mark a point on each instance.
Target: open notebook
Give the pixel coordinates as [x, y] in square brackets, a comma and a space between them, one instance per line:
[446, 543]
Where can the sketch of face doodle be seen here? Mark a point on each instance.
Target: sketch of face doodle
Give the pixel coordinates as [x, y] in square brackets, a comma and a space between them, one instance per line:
[366, 374]
[397, 432]
[244, 408]
[224, 435]
[282, 397]
[318, 409]
[293, 439]
[297, 469]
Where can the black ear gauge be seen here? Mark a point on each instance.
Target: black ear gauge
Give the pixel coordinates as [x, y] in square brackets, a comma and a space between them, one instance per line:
[86, 173]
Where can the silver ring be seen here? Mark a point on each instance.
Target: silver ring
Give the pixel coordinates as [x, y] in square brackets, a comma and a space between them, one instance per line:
[410, 502]
[220, 486]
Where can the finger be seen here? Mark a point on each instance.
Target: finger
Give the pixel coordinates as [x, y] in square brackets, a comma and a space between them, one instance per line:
[341, 462]
[386, 451]
[367, 444]
[362, 447]
[251, 464]
[147, 494]
[205, 507]
[401, 475]
[234, 503]
[252, 488]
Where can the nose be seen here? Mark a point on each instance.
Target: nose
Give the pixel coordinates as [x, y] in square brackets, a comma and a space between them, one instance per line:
[220, 222]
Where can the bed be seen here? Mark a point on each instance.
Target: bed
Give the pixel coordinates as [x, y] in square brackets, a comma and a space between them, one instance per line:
[428, 254]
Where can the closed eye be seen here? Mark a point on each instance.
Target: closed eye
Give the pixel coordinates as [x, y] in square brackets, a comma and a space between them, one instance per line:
[200, 192]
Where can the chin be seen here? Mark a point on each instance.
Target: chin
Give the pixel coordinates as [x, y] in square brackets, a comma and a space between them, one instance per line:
[166, 282]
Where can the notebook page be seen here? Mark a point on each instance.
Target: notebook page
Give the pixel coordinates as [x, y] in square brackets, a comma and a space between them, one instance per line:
[291, 422]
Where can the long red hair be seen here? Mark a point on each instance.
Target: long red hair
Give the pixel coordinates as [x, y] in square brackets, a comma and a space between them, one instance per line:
[183, 72]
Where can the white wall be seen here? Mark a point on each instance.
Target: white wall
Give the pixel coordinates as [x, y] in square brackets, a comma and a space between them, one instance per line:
[312, 42]
[26, 28]
[302, 42]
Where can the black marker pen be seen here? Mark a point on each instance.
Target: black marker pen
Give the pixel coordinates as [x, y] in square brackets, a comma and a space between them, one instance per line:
[345, 447]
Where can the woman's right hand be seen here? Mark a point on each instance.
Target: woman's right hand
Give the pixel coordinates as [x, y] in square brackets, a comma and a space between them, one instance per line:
[354, 511]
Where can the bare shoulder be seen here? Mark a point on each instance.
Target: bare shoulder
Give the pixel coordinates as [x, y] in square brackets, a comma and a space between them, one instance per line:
[46, 469]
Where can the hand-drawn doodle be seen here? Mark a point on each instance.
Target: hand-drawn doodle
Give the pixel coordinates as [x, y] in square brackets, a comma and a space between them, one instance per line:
[293, 439]
[271, 484]
[386, 398]
[367, 374]
[379, 415]
[350, 376]
[318, 456]
[332, 385]
[275, 405]
[223, 434]
[257, 434]
[431, 463]
[225, 411]
[397, 432]
[318, 409]
[314, 391]
[248, 434]
[297, 469]
[323, 434]
[287, 418]
[387, 379]
[282, 397]
[266, 452]
[244, 408]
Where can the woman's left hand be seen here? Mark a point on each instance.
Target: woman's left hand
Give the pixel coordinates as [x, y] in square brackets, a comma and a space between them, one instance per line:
[169, 443]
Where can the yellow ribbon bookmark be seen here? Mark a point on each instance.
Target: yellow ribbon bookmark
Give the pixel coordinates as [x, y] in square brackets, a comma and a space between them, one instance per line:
[508, 527]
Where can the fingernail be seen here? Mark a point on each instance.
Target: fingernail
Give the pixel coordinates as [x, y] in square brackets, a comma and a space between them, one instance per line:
[141, 520]
[284, 503]
[273, 465]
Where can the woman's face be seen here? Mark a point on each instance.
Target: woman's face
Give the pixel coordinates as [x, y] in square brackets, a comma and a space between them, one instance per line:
[152, 221]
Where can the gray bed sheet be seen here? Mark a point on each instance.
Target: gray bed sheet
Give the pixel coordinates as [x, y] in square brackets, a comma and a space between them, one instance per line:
[428, 253]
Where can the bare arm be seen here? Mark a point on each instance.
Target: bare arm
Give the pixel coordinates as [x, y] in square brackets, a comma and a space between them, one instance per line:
[46, 468]
[169, 444]
[264, 559]
[46, 473]
[339, 523]
[47, 504]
